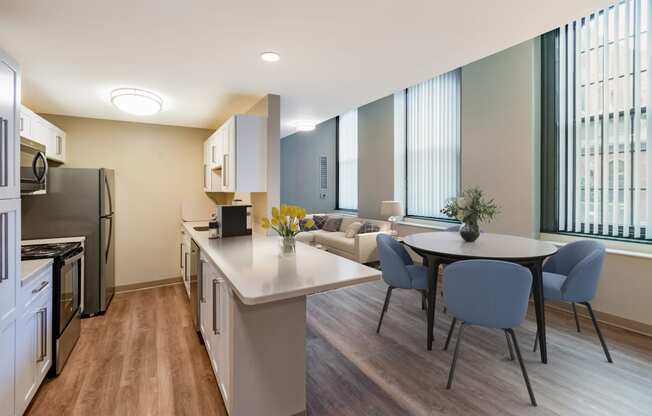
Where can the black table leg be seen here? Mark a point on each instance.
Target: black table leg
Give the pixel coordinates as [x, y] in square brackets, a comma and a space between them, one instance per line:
[537, 291]
[433, 266]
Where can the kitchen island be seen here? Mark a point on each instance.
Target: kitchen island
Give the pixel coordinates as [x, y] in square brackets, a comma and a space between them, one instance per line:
[252, 304]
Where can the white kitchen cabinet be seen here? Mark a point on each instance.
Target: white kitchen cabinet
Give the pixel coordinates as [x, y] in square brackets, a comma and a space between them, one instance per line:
[237, 155]
[9, 128]
[185, 259]
[33, 338]
[7, 346]
[36, 128]
[215, 325]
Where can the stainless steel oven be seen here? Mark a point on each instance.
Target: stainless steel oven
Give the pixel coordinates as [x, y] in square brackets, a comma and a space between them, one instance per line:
[67, 276]
[33, 167]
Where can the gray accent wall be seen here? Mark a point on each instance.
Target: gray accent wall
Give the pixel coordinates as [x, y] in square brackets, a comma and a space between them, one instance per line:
[300, 169]
[375, 156]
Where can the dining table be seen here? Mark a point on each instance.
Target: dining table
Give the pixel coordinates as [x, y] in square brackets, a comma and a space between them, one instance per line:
[445, 247]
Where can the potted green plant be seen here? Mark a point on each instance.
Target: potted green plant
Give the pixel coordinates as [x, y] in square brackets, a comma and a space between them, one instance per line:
[471, 208]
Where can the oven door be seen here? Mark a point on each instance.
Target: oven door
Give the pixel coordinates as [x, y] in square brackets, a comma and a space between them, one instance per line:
[69, 296]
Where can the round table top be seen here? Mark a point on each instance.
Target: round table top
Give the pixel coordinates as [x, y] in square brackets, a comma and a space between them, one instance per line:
[487, 246]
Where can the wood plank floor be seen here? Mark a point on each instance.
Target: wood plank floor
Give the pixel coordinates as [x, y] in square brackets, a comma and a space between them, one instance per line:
[143, 358]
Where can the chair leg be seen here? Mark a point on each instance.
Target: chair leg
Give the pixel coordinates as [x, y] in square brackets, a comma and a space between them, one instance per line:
[536, 342]
[577, 321]
[442, 296]
[509, 347]
[451, 374]
[385, 305]
[423, 300]
[597, 329]
[450, 333]
[523, 370]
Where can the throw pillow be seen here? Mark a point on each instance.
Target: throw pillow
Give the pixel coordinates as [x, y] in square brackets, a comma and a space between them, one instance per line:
[304, 227]
[368, 227]
[332, 224]
[319, 220]
[352, 229]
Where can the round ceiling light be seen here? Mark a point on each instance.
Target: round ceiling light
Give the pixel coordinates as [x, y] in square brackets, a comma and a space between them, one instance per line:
[136, 101]
[304, 125]
[269, 56]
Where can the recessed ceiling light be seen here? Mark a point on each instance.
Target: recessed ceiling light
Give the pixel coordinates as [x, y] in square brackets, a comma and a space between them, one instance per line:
[269, 56]
[136, 101]
[304, 125]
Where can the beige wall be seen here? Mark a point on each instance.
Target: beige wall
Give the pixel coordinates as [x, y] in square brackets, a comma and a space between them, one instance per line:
[499, 135]
[156, 167]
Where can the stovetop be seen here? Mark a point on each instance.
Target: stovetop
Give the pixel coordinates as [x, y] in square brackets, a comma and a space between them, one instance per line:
[45, 251]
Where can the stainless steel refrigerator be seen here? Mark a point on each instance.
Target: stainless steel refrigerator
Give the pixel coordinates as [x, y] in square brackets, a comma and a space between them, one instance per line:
[79, 202]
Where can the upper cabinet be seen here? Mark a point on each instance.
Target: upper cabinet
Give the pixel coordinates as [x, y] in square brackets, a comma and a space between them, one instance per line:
[235, 156]
[34, 127]
[9, 117]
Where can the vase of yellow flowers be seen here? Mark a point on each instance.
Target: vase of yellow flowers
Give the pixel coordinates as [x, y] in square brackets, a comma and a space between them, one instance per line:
[286, 221]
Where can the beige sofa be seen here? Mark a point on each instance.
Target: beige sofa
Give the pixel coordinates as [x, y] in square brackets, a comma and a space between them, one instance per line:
[361, 248]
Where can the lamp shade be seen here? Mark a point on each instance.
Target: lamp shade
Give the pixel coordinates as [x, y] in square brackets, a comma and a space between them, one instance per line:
[391, 208]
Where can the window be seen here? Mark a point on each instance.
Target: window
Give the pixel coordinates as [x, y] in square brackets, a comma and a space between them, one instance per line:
[595, 164]
[347, 161]
[427, 144]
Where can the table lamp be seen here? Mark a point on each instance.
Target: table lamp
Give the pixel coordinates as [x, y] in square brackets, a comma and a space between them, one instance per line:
[391, 210]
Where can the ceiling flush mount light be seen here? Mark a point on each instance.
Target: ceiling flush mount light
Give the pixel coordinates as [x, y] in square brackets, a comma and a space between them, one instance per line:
[136, 101]
[269, 56]
[304, 125]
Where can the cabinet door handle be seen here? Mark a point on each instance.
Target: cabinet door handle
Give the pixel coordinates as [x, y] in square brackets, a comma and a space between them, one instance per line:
[185, 269]
[59, 146]
[202, 299]
[22, 124]
[44, 284]
[4, 147]
[225, 171]
[181, 255]
[215, 306]
[4, 257]
[42, 334]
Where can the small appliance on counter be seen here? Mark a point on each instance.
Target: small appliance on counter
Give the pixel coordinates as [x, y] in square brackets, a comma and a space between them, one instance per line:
[67, 278]
[233, 220]
[213, 228]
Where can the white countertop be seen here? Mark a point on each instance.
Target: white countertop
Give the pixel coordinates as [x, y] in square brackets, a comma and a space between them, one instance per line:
[54, 240]
[29, 268]
[259, 274]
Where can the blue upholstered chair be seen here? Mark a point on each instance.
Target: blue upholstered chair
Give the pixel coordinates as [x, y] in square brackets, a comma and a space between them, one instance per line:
[572, 275]
[399, 271]
[488, 293]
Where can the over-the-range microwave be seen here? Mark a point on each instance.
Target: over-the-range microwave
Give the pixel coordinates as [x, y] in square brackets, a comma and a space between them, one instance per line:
[33, 167]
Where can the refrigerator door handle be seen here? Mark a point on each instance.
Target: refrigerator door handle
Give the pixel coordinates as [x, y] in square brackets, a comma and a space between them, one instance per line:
[108, 193]
[108, 244]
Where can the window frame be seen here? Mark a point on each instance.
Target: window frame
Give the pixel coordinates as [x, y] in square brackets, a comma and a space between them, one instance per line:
[337, 169]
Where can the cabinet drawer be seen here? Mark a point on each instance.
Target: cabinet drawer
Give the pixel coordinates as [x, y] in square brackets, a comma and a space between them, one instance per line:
[35, 286]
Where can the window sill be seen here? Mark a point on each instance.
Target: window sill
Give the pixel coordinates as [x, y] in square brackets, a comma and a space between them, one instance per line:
[620, 248]
[420, 223]
[345, 212]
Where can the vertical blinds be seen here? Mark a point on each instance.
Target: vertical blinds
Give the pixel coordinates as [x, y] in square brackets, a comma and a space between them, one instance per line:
[603, 164]
[433, 144]
[347, 148]
[399, 148]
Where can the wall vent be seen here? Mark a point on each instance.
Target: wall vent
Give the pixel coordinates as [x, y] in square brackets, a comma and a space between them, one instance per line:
[323, 172]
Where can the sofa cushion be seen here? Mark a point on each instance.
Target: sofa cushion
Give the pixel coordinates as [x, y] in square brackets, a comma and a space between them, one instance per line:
[336, 240]
[303, 227]
[307, 237]
[352, 229]
[332, 224]
[368, 227]
[319, 220]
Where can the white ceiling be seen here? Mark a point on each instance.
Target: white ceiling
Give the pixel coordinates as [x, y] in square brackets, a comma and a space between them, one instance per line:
[202, 56]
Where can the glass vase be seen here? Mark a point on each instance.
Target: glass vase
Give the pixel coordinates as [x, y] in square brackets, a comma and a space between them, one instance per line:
[470, 232]
[287, 245]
